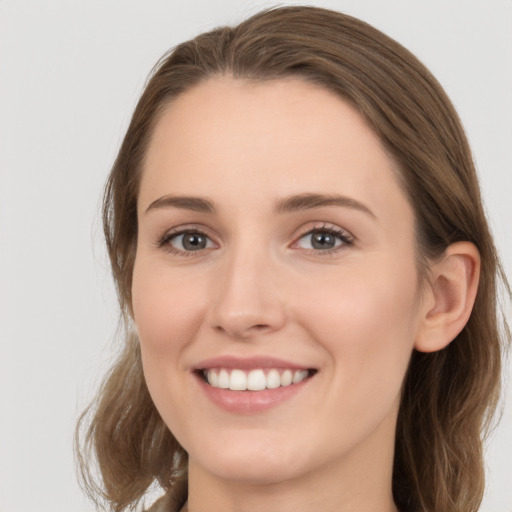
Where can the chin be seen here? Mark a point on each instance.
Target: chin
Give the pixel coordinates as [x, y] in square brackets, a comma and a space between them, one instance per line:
[258, 471]
[249, 462]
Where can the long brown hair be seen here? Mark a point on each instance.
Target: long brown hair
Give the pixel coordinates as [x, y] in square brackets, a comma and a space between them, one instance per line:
[449, 397]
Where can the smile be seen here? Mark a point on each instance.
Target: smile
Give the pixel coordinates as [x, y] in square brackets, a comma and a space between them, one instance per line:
[258, 379]
[252, 385]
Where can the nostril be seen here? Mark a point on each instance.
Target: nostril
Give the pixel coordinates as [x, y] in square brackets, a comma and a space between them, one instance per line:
[244, 331]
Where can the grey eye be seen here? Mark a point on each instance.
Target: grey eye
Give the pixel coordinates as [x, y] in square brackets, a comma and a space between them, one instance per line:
[321, 239]
[192, 241]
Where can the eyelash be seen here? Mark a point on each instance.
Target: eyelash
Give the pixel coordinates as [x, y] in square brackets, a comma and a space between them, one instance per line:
[165, 241]
[345, 238]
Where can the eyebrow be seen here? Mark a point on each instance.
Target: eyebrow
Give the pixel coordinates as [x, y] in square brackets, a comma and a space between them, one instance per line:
[196, 204]
[310, 201]
[290, 204]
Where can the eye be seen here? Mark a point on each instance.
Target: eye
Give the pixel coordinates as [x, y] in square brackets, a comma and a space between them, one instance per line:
[186, 241]
[324, 239]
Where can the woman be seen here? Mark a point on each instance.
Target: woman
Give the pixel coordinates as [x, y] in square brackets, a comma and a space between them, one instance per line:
[307, 279]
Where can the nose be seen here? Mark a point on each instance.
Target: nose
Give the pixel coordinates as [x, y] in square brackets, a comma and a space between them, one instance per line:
[247, 302]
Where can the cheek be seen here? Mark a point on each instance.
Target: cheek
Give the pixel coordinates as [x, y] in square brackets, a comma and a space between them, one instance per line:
[166, 309]
[367, 321]
[366, 324]
[167, 315]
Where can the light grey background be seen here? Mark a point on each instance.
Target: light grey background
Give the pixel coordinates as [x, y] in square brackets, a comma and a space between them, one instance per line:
[70, 74]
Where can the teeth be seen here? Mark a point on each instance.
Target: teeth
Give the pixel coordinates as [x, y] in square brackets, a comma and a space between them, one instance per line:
[238, 380]
[255, 380]
[286, 378]
[213, 378]
[299, 376]
[273, 379]
[223, 381]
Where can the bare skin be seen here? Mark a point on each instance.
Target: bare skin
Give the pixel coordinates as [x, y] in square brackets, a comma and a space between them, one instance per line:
[272, 225]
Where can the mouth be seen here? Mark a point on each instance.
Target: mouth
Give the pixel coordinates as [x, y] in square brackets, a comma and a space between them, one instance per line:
[258, 379]
[252, 385]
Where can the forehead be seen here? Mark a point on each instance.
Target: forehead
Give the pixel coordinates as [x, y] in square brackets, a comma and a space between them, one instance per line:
[231, 138]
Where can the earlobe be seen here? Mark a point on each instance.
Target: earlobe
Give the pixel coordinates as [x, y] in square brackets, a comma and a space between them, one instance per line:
[451, 295]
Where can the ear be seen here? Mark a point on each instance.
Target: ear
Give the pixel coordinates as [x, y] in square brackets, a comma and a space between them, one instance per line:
[449, 297]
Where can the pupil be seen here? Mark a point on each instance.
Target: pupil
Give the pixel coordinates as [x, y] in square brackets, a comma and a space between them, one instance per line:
[323, 241]
[194, 242]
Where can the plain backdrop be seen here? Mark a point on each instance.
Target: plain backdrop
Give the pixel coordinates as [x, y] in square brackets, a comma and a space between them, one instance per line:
[70, 74]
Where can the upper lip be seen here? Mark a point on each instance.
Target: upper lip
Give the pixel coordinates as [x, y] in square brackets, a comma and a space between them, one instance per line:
[249, 363]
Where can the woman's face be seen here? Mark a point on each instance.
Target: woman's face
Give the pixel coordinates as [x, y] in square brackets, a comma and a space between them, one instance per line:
[274, 245]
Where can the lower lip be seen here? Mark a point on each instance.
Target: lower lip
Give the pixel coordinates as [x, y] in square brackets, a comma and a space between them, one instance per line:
[250, 402]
